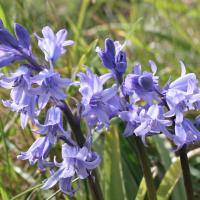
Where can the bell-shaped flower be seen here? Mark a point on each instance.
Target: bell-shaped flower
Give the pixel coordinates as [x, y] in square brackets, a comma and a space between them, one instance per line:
[185, 133]
[95, 99]
[38, 153]
[181, 84]
[50, 84]
[12, 49]
[53, 124]
[129, 116]
[179, 102]
[152, 122]
[52, 45]
[142, 86]
[113, 58]
[26, 108]
[19, 81]
[75, 160]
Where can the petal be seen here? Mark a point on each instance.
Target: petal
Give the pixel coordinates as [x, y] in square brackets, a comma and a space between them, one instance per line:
[61, 36]
[109, 46]
[48, 33]
[57, 93]
[130, 128]
[105, 77]
[53, 179]
[67, 43]
[137, 69]
[125, 116]
[68, 172]
[183, 70]
[153, 67]
[93, 164]
[109, 93]
[64, 182]
[82, 154]
[43, 99]
[23, 36]
[62, 82]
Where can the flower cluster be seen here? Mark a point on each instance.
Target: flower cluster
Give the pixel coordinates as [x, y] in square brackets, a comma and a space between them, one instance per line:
[31, 92]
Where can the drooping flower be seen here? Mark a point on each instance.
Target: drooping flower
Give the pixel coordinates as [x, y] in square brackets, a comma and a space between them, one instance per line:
[142, 86]
[38, 153]
[152, 122]
[185, 133]
[95, 99]
[129, 116]
[181, 94]
[19, 81]
[113, 58]
[26, 108]
[51, 45]
[50, 84]
[53, 124]
[75, 160]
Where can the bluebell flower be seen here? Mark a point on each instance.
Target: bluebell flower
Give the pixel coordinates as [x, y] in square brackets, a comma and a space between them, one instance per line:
[53, 124]
[52, 45]
[12, 49]
[75, 160]
[94, 97]
[152, 122]
[181, 94]
[18, 81]
[113, 58]
[142, 86]
[38, 153]
[50, 84]
[185, 133]
[26, 108]
[129, 116]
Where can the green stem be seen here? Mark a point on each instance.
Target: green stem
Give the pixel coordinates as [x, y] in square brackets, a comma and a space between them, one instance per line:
[186, 173]
[151, 190]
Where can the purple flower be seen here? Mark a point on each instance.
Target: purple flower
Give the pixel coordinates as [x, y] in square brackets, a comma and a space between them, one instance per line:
[12, 49]
[94, 97]
[50, 84]
[26, 108]
[75, 160]
[181, 94]
[51, 45]
[38, 153]
[185, 133]
[142, 86]
[19, 81]
[152, 122]
[129, 116]
[53, 124]
[113, 58]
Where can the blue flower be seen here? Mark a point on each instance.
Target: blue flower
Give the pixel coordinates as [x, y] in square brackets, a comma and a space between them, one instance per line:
[181, 94]
[75, 160]
[185, 133]
[53, 124]
[95, 99]
[152, 122]
[50, 84]
[26, 108]
[142, 86]
[51, 45]
[113, 58]
[38, 153]
[19, 81]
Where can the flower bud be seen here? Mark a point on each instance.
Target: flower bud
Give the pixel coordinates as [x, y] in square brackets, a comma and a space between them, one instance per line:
[146, 82]
[121, 63]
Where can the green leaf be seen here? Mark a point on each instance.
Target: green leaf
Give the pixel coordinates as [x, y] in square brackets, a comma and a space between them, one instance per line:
[172, 176]
[112, 175]
[27, 191]
[164, 146]
[130, 33]
[3, 190]
[142, 190]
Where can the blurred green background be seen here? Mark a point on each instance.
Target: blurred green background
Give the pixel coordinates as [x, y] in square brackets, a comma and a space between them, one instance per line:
[158, 30]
